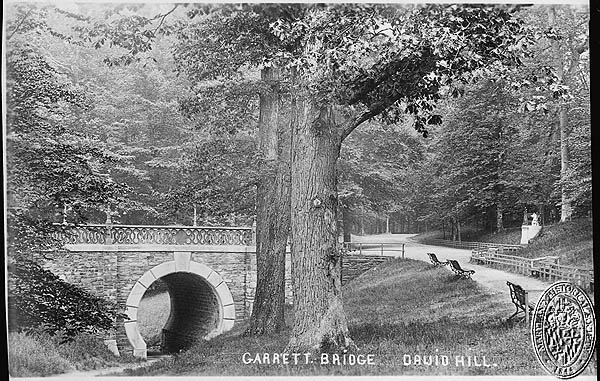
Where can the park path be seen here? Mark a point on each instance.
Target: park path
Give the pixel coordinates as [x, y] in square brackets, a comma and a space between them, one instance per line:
[108, 372]
[494, 280]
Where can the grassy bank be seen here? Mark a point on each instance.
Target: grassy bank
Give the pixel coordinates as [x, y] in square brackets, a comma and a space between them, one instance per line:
[38, 354]
[405, 307]
[572, 241]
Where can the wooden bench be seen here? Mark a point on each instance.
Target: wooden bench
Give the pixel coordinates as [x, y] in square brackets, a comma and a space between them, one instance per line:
[435, 261]
[520, 299]
[455, 267]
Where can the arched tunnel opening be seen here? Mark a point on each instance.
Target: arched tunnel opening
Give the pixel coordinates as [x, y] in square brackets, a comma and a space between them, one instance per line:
[194, 311]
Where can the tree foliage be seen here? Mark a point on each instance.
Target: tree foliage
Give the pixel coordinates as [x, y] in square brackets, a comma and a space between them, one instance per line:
[50, 165]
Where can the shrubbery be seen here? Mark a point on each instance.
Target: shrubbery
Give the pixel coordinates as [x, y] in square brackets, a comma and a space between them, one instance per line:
[38, 299]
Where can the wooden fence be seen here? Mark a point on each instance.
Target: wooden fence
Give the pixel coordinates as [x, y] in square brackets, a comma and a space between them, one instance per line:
[374, 248]
[472, 245]
[546, 268]
[355, 264]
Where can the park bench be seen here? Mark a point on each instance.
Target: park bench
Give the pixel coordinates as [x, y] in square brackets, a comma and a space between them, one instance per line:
[455, 267]
[520, 299]
[435, 261]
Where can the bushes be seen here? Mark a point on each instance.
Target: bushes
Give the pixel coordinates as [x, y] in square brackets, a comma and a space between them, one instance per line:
[38, 299]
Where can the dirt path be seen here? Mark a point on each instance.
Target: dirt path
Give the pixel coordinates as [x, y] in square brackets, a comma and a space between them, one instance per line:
[494, 280]
[112, 371]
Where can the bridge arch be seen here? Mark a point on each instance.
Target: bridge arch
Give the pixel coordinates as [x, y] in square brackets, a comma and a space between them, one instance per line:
[201, 304]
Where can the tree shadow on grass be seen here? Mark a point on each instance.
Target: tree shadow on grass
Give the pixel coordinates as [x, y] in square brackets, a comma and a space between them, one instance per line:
[448, 332]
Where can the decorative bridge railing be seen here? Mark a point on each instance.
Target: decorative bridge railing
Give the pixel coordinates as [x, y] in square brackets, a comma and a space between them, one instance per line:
[156, 235]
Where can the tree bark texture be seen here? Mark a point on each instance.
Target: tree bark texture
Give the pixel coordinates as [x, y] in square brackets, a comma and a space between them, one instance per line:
[272, 213]
[319, 319]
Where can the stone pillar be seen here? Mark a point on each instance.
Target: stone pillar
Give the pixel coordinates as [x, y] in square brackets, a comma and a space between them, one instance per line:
[524, 234]
[528, 232]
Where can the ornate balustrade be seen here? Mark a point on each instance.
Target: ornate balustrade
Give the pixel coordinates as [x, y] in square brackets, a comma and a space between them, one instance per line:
[156, 235]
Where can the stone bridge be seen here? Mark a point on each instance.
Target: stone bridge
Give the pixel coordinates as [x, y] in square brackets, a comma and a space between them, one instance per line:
[210, 274]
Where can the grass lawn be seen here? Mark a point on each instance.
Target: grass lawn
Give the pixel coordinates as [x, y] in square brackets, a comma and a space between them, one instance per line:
[402, 309]
[39, 354]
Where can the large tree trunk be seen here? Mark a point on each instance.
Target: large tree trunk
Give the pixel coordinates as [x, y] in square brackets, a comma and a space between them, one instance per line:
[272, 214]
[319, 319]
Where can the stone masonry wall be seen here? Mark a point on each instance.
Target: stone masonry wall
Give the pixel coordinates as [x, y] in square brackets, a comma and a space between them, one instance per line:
[112, 271]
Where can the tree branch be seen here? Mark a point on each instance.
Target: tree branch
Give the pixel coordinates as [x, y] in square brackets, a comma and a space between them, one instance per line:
[164, 16]
[356, 121]
[19, 25]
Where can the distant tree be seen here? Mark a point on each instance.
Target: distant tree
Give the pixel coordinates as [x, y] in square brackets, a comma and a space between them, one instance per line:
[215, 177]
[563, 49]
[375, 165]
[476, 150]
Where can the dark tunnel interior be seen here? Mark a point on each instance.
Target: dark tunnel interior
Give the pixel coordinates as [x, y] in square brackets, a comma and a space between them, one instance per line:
[194, 311]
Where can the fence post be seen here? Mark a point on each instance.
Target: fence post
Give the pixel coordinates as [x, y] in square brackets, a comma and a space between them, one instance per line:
[108, 231]
[360, 248]
[382, 249]
[402, 251]
[253, 242]
[527, 308]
